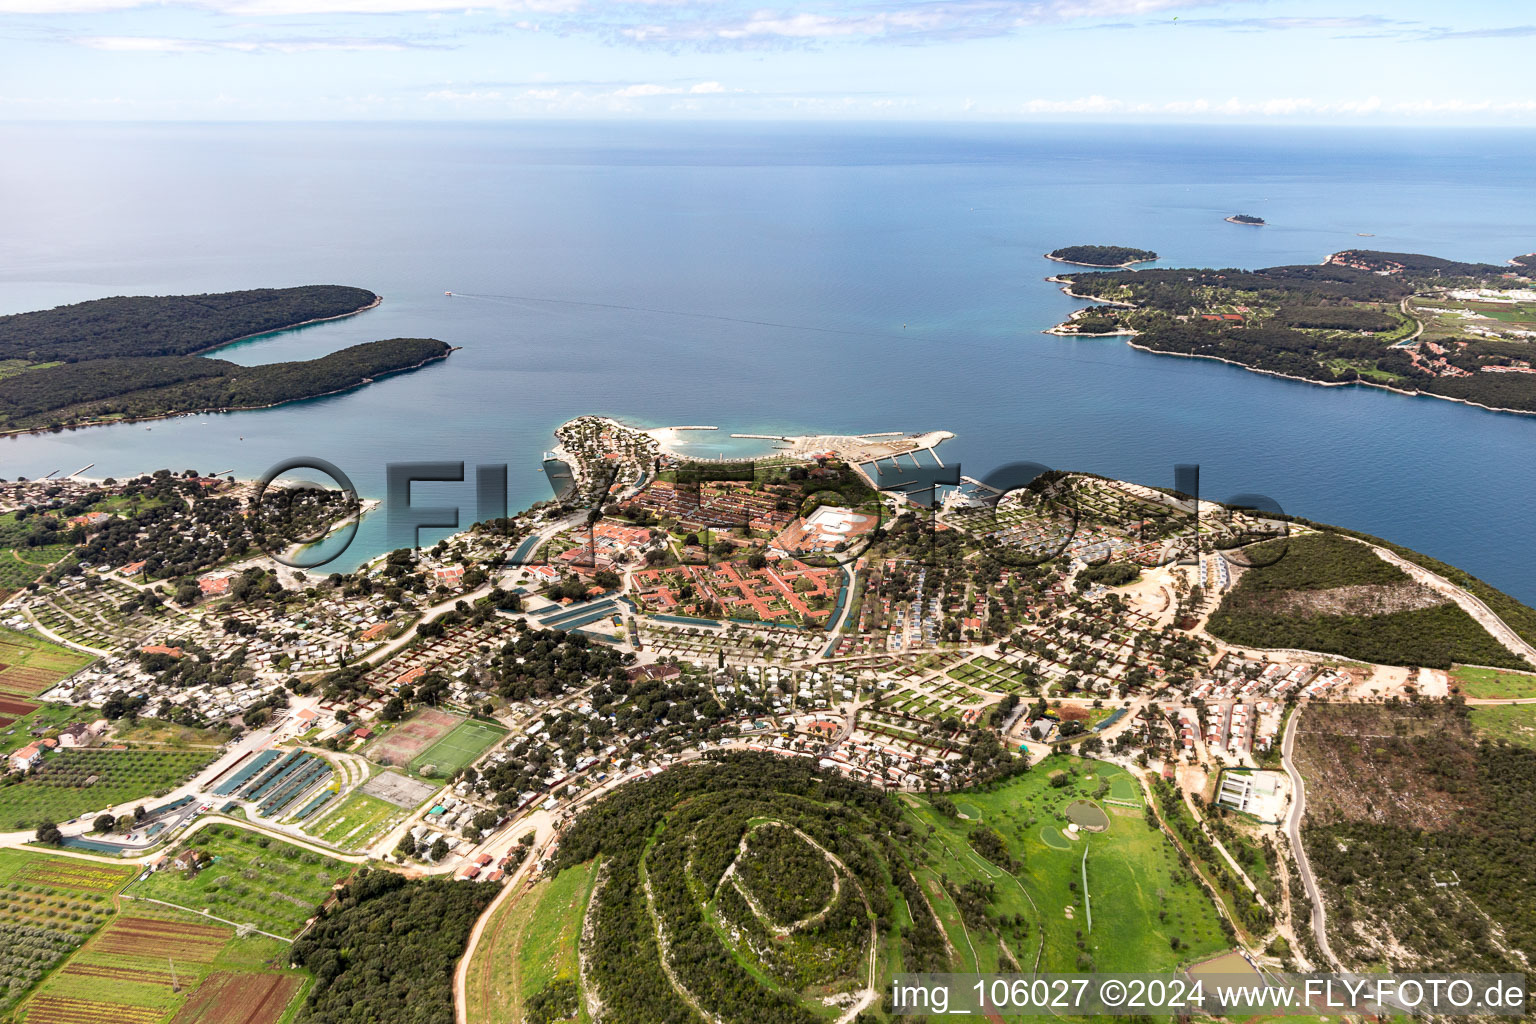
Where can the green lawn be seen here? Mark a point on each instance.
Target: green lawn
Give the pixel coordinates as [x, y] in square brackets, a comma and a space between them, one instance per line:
[529, 943]
[1513, 722]
[467, 741]
[69, 783]
[356, 822]
[48, 718]
[251, 878]
[1488, 682]
[1142, 897]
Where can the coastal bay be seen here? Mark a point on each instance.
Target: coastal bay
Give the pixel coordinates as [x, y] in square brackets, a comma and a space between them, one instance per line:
[527, 217]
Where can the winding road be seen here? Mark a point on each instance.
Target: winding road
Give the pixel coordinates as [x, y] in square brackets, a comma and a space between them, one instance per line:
[1293, 832]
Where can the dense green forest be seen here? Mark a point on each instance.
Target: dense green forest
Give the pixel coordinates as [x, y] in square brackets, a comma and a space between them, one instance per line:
[1326, 593]
[1401, 798]
[1336, 318]
[667, 844]
[103, 388]
[1246, 218]
[168, 325]
[1102, 255]
[385, 952]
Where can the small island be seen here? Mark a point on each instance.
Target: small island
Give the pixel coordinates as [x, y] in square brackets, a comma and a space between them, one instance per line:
[132, 358]
[1101, 255]
[1245, 218]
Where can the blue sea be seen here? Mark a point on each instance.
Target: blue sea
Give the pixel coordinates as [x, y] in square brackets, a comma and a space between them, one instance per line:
[782, 279]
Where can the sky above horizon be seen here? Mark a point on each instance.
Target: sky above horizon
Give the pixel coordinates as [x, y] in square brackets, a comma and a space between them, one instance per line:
[1237, 61]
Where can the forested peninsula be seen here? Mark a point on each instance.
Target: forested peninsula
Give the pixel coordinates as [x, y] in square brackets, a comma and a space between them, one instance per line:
[1412, 323]
[1101, 255]
[134, 357]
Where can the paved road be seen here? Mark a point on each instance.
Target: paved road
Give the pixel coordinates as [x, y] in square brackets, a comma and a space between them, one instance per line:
[1293, 831]
[1473, 606]
[17, 839]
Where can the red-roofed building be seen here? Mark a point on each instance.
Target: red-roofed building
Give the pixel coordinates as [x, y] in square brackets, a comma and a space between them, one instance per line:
[132, 569]
[449, 575]
[214, 584]
[171, 652]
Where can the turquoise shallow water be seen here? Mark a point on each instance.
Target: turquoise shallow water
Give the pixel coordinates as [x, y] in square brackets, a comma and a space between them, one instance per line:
[775, 279]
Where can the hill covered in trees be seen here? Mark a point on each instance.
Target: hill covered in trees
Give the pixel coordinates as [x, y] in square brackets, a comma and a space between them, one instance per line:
[132, 357]
[1328, 593]
[1101, 255]
[168, 325]
[101, 390]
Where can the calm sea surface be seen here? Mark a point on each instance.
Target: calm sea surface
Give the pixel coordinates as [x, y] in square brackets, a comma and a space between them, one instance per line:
[782, 279]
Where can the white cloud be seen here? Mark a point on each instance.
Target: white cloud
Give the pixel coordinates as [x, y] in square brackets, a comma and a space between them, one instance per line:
[910, 22]
[472, 96]
[164, 44]
[645, 89]
[707, 88]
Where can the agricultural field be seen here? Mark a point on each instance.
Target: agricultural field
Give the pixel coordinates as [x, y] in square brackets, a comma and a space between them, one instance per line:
[528, 944]
[357, 822]
[69, 783]
[52, 905]
[153, 964]
[1484, 683]
[21, 563]
[240, 997]
[457, 749]
[30, 664]
[249, 879]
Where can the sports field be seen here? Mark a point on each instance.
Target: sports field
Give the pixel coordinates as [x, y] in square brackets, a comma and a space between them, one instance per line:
[409, 738]
[457, 749]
